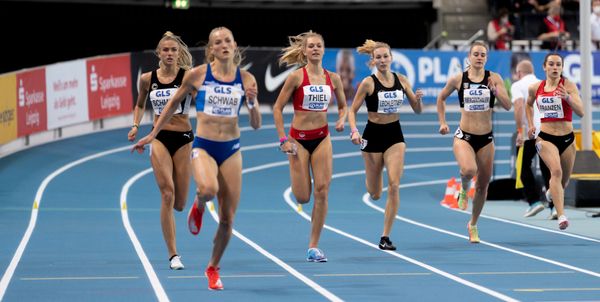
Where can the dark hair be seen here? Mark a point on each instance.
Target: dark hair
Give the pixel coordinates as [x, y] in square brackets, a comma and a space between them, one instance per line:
[562, 60]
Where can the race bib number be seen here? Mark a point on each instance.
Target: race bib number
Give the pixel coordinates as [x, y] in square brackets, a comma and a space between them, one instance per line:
[316, 97]
[390, 101]
[476, 99]
[550, 107]
[159, 99]
[222, 100]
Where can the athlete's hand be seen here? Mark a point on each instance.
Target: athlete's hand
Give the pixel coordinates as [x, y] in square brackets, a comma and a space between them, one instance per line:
[251, 93]
[519, 139]
[419, 94]
[492, 85]
[355, 138]
[339, 125]
[140, 145]
[444, 129]
[531, 132]
[132, 133]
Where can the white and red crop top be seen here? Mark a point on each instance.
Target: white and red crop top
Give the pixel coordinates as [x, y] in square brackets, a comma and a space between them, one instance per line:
[552, 108]
[309, 97]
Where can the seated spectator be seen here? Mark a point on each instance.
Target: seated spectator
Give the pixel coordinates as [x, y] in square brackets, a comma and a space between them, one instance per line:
[595, 23]
[542, 6]
[553, 31]
[500, 30]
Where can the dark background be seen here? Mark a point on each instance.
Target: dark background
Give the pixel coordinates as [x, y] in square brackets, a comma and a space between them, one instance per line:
[40, 33]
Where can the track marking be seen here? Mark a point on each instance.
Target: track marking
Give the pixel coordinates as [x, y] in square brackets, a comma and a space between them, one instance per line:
[288, 199]
[10, 270]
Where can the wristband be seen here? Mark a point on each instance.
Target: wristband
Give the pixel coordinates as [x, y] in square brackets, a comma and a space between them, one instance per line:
[282, 140]
[250, 104]
[135, 125]
[520, 130]
[353, 130]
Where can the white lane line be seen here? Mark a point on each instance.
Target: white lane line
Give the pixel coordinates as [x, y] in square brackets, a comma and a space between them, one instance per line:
[367, 201]
[10, 270]
[327, 294]
[231, 276]
[159, 291]
[373, 275]
[288, 199]
[77, 278]
[563, 233]
[519, 273]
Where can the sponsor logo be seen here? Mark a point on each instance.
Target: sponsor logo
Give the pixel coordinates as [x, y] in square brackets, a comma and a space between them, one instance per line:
[479, 107]
[316, 106]
[221, 111]
[273, 82]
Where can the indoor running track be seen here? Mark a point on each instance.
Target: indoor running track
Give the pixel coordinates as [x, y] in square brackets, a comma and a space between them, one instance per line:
[79, 221]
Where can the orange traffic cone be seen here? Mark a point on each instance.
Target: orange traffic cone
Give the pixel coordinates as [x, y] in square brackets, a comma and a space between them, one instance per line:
[450, 200]
[471, 192]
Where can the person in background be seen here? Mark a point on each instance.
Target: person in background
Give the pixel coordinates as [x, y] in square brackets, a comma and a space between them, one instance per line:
[345, 67]
[519, 94]
[500, 30]
[221, 89]
[311, 88]
[552, 30]
[473, 145]
[170, 151]
[556, 98]
[595, 24]
[382, 143]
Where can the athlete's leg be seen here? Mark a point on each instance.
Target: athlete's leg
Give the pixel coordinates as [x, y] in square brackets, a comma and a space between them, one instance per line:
[300, 173]
[549, 154]
[373, 175]
[182, 173]
[321, 164]
[485, 165]
[230, 186]
[162, 164]
[394, 163]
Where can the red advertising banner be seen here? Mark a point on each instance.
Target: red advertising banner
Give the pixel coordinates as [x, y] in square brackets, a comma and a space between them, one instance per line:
[31, 101]
[109, 86]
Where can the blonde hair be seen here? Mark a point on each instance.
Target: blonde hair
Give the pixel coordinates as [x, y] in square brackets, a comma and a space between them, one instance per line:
[294, 54]
[369, 47]
[184, 58]
[209, 57]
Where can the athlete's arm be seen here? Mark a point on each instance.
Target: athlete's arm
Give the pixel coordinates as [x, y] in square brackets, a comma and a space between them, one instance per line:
[499, 90]
[251, 97]
[290, 84]
[140, 107]
[451, 85]
[341, 101]
[415, 99]
[365, 86]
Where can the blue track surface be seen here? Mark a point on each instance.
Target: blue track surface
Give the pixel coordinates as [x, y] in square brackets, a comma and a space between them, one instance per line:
[77, 246]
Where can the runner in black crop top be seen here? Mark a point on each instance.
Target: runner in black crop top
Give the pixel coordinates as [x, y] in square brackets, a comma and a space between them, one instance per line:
[467, 83]
[373, 99]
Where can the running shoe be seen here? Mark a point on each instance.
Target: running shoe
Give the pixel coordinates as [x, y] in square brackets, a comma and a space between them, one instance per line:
[534, 209]
[175, 262]
[195, 217]
[553, 214]
[463, 200]
[214, 281]
[563, 222]
[386, 244]
[315, 255]
[473, 233]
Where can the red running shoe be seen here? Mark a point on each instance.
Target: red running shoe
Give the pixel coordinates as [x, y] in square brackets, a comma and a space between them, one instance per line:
[195, 217]
[214, 281]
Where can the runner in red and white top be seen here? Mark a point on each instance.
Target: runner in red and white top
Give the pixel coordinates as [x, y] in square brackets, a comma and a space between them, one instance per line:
[556, 98]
